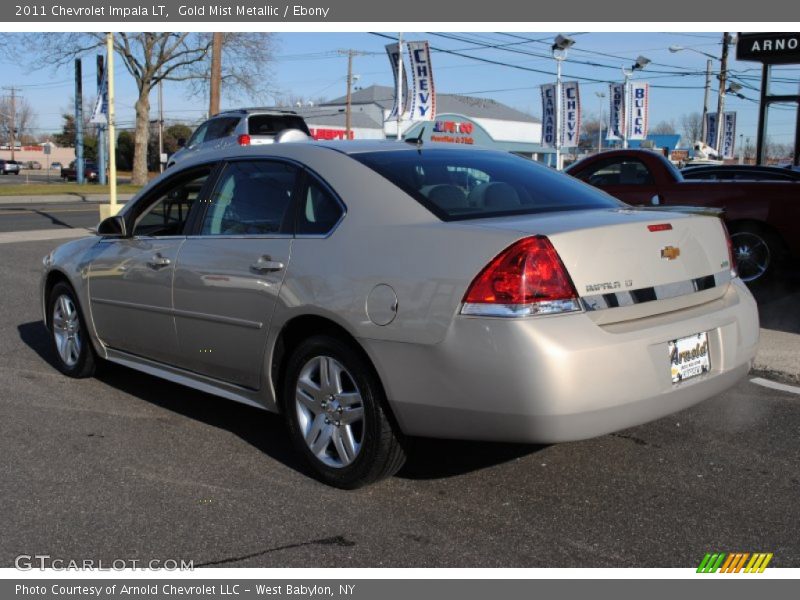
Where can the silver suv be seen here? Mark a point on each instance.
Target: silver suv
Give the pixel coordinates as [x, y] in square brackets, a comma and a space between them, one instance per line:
[243, 127]
[7, 167]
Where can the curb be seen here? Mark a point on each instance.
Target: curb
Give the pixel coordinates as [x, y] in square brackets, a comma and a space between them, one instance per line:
[61, 198]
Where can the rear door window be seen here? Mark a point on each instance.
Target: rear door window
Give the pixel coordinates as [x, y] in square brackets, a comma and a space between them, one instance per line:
[618, 171]
[318, 211]
[221, 127]
[252, 198]
[462, 184]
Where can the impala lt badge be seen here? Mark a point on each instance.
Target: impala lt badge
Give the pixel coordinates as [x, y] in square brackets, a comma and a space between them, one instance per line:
[670, 252]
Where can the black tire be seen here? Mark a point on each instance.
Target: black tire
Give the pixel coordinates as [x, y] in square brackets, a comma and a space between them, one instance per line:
[381, 452]
[756, 251]
[85, 362]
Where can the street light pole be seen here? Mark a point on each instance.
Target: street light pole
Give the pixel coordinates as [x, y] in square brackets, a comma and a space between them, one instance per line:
[602, 96]
[559, 50]
[112, 155]
[641, 62]
[399, 84]
[703, 124]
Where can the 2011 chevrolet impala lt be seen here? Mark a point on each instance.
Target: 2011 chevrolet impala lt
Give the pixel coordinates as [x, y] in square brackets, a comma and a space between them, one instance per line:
[372, 291]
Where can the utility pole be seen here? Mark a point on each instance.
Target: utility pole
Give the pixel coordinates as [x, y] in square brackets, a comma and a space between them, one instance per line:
[602, 97]
[349, 97]
[13, 129]
[216, 74]
[723, 75]
[101, 130]
[160, 125]
[703, 124]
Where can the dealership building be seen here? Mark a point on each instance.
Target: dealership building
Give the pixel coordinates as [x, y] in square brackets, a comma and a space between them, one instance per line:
[459, 119]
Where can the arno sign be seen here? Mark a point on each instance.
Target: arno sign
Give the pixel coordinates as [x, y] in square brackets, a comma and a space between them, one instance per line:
[771, 48]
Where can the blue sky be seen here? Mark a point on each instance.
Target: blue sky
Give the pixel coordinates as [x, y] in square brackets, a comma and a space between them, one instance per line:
[307, 65]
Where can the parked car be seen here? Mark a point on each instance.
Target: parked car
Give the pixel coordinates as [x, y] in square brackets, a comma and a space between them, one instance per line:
[56, 165]
[90, 172]
[739, 173]
[372, 291]
[762, 216]
[34, 165]
[9, 167]
[243, 127]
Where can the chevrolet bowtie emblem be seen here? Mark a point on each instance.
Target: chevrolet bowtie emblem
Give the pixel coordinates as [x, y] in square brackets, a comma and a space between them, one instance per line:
[670, 252]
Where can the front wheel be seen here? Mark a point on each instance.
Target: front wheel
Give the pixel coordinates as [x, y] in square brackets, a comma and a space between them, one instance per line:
[336, 412]
[68, 336]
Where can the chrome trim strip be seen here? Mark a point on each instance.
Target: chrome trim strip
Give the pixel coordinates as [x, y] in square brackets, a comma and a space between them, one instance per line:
[189, 314]
[658, 292]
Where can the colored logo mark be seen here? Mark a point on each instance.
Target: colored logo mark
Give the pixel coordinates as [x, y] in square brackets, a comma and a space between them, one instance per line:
[735, 562]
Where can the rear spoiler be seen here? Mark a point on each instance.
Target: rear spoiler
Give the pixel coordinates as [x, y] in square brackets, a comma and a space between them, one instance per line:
[708, 211]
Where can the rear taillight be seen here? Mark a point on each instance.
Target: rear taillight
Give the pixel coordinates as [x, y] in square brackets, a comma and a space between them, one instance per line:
[731, 257]
[527, 278]
[244, 140]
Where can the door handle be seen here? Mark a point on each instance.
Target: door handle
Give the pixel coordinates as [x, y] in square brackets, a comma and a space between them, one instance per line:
[265, 264]
[158, 261]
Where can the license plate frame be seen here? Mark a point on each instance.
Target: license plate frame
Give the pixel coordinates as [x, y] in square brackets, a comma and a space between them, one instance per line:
[689, 357]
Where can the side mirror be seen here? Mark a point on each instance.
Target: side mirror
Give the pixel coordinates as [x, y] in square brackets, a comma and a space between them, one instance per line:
[181, 142]
[655, 200]
[113, 227]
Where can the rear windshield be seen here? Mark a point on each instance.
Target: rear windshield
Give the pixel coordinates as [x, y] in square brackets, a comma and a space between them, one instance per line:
[456, 184]
[274, 124]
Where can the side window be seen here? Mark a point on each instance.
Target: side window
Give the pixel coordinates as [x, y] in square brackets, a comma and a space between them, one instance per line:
[168, 213]
[618, 172]
[252, 197]
[318, 211]
[199, 135]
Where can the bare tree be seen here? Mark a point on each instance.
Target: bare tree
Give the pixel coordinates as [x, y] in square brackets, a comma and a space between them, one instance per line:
[692, 127]
[664, 127]
[153, 57]
[295, 100]
[24, 119]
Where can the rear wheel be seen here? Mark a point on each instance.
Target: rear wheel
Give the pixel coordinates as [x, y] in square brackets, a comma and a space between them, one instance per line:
[755, 252]
[336, 412]
[68, 336]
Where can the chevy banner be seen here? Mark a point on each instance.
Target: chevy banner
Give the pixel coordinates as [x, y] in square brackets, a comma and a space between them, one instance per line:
[570, 114]
[423, 97]
[616, 113]
[393, 51]
[640, 105]
[549, 114]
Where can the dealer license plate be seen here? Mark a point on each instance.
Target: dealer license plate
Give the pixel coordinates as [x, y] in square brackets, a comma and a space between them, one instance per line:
[689, 357]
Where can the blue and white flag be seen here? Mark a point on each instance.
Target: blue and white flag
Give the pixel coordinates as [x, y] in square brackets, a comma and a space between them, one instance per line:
[423, 96]
[639, 110]
[616, 112]
[393, 50]
[570, 114]
[549, 114]
[100, 112]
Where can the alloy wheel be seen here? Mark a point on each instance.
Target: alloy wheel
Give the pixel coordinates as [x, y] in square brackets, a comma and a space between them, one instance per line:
[67, 330]
[752, 255]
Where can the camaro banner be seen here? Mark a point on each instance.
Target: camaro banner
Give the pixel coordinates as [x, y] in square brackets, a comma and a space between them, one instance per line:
[549, 114]
[571, 114]
[423, 97]
[393, 50]
[640, 106]
[616, 113]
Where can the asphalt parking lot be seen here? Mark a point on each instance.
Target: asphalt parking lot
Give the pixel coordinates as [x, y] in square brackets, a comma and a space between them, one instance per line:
[127, 466]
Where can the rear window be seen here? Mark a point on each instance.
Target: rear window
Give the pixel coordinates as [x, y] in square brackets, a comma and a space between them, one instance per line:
[455, 184]
[274, 124]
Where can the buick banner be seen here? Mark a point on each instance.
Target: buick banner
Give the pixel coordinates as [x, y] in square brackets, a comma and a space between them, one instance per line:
[640, 105]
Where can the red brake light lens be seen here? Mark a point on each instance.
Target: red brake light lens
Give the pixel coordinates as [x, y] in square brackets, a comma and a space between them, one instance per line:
[244, 140]
[660, 227]
[527, 278]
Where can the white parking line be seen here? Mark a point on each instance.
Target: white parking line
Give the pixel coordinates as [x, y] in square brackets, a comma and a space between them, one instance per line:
[792, 389]
[37, 235]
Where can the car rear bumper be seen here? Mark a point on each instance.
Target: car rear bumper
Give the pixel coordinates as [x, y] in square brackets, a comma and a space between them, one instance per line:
[561, 378]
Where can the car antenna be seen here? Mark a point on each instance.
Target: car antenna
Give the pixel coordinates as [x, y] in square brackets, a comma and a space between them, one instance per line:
[417, 140]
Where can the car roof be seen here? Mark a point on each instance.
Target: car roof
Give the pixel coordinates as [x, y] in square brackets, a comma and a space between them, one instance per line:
[256, 110]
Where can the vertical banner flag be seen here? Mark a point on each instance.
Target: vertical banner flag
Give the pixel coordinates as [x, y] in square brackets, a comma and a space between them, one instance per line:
[549, 114]
[423, 97]
[711, 130]
[728, 141]
[393, 51]
[616, 112]
[571, 114]
[100, 112]
[640, 105]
